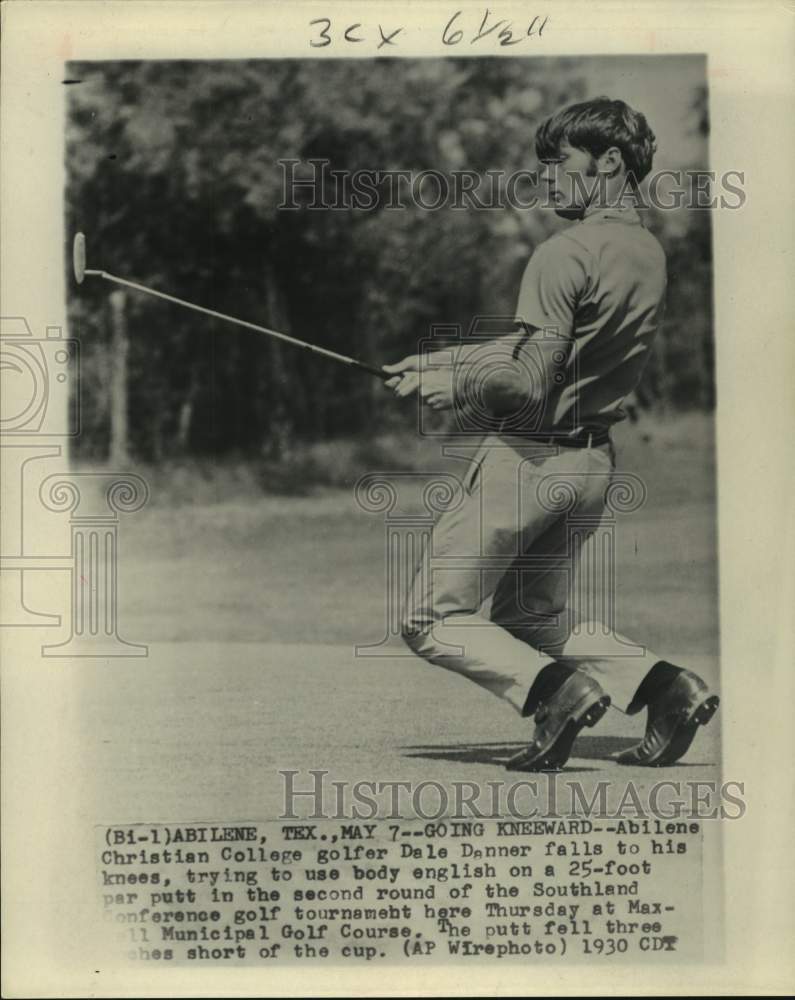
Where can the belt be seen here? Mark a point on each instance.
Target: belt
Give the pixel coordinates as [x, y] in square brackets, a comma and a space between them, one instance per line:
[592, 439]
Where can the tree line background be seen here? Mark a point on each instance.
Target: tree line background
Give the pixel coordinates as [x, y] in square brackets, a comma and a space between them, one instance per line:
[172, 173]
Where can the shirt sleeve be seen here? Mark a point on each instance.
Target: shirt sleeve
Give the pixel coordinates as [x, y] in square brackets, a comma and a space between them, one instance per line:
[553, 282]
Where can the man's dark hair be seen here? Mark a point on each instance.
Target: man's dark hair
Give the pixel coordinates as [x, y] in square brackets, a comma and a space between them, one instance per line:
[597, 125]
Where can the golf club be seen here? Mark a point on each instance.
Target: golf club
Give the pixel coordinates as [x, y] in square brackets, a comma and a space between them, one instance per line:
[81, 272]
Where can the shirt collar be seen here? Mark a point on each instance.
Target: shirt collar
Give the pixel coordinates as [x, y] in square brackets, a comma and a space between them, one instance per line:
[611, 213]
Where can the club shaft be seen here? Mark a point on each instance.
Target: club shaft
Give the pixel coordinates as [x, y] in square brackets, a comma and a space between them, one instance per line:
[351, 362]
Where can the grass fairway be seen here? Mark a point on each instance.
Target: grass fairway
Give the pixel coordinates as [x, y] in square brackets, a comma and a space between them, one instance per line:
[252, 608]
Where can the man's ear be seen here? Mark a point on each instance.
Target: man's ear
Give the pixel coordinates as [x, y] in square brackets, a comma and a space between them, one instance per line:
[610, 162]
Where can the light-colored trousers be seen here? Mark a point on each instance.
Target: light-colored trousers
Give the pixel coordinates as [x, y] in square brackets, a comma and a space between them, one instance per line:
[514, 542]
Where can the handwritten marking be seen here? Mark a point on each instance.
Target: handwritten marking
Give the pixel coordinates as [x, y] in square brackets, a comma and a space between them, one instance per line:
[501, 31]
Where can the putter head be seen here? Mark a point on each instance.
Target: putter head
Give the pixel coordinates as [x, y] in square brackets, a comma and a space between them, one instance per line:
[79, 257]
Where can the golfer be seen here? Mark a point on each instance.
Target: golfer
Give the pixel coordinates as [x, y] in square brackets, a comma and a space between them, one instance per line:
[597, 288]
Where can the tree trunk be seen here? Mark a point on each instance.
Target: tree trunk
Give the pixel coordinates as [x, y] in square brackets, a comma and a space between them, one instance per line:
[185, 418]
[279, 441]
[119, 350]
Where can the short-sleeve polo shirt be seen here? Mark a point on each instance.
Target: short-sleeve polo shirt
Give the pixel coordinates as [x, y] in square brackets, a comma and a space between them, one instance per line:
[599, 284]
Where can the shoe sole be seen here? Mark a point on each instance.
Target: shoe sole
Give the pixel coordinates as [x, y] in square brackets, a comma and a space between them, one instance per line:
[555, 755]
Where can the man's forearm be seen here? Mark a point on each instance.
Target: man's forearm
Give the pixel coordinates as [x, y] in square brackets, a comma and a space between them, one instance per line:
[499, 374]
[477, 353]
[510, 374]
[507, 389]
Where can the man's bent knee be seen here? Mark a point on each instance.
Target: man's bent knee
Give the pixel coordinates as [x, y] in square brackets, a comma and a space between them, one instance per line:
[416, 633]
[416, 630]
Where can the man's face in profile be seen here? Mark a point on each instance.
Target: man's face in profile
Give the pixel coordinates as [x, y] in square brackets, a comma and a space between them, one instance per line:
[570, 179]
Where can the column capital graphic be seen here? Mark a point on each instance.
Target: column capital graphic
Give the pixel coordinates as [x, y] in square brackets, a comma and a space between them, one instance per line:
[94, 495]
